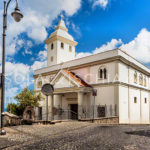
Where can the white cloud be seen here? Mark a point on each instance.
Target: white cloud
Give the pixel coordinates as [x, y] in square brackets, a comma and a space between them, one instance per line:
[80, 55]
[139, 47]
[18, 76]
[11, 93]
[76, 29]
[42, 62]
[38, 65]
[34, 25]
[105, 47]
[101, 3]
[109, 46]
[38, 16]
[28, 52]
[42, 55]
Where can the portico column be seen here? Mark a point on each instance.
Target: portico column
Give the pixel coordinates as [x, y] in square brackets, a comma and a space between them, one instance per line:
[44, 109]
[58, 101]
[89, 105]
[80, 104]
[58, 105]
[51, 105]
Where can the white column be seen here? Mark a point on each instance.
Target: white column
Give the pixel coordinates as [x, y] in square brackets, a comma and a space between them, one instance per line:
[44, 109]
[58, 105]
[51, 105]
[89, 105]
[80, 104]
[58, 101]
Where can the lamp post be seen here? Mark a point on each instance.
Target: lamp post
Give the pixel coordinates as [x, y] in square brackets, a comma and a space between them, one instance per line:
[17, 15]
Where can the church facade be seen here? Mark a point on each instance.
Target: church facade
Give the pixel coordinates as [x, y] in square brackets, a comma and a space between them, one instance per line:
[107, 84]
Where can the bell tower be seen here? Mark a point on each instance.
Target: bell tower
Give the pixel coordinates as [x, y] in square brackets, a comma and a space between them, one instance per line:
[60, 45]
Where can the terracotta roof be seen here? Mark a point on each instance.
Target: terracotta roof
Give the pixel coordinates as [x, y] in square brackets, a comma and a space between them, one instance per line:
[77, 78]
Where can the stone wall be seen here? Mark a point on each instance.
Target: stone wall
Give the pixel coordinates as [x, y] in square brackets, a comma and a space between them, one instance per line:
[10, 119]
[109, 120]
[105, 120]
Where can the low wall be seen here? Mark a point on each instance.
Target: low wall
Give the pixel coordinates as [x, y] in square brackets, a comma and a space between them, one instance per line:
[11, 120]
[109, 120]
[105, 120]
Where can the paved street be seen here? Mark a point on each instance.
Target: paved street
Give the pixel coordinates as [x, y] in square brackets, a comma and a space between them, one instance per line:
[77, 136]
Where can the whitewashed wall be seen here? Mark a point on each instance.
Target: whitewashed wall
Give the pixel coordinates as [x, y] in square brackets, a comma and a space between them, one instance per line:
[90, 74]
[123, 104]
[131, 112]
[64, 55]
[105, 95]
[52, 53]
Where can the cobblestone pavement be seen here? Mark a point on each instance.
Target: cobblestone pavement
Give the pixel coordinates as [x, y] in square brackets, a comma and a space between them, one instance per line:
[77, 136]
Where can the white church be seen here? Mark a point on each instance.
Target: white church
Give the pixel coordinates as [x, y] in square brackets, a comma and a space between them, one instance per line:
[122, 83]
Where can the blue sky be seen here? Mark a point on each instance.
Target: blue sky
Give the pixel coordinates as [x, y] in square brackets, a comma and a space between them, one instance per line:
[97, 25]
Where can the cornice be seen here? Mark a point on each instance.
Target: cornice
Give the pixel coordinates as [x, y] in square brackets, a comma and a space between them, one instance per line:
[99, 62]
[65, 40]
[120, 83]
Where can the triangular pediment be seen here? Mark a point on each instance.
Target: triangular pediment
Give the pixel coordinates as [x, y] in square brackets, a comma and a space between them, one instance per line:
[63, 80]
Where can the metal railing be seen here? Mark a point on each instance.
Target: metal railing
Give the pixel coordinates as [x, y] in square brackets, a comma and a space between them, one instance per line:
[97, 111]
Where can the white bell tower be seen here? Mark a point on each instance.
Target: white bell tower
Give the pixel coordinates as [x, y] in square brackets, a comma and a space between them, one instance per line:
[60, 45]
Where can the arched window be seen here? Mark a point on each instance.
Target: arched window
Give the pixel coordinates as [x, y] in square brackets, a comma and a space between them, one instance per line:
[141, 79]
[102, 73]
[52, 46]
[105, 73]
[62, 45]
[135, 77]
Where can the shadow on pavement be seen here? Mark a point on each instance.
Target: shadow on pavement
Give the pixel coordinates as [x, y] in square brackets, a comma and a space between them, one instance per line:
[140, 133]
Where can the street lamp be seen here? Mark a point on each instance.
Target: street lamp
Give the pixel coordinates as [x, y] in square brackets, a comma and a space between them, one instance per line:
[17, 15]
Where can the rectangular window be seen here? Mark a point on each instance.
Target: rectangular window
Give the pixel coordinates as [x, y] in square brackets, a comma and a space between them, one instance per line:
[101, 111]
[62, 45]
[52, 46]
[145, 100]
[70, 48]
[135, 100]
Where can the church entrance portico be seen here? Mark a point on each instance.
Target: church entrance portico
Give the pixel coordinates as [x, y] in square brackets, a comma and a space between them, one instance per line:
[71, 99]
[74, 105]
[71, 105]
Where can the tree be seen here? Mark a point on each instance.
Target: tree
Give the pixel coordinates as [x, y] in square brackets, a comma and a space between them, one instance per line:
[25, 98]
[28, 98]
[12, 108]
